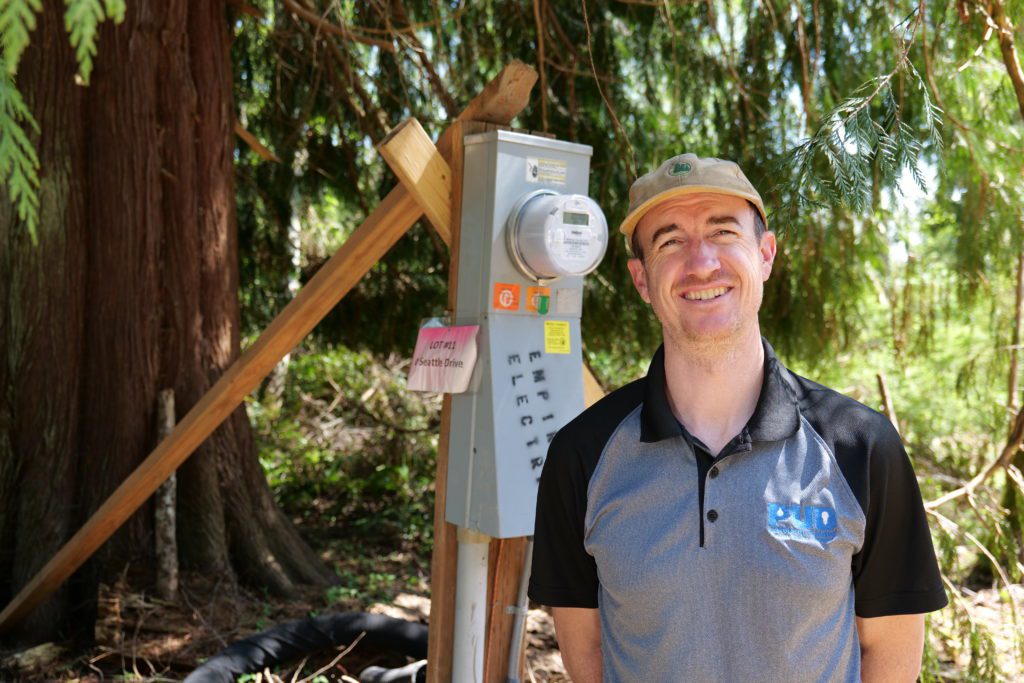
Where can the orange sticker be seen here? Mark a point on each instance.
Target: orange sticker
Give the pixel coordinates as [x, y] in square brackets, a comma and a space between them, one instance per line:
[538, 299]
[506, 297]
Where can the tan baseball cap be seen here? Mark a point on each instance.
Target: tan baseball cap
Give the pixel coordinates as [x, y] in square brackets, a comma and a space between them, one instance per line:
[687, 174]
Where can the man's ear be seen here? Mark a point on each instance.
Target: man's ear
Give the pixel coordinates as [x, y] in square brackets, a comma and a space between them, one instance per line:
[639, 273]
[767, 249]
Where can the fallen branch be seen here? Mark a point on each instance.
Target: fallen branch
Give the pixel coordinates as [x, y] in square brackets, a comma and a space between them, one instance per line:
[334, 661]
[1013, 443]
[950, 525]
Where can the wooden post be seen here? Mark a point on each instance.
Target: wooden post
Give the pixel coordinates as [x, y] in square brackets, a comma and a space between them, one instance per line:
[592, 389]
[165, 524]
[507, 556]
[501, 99]
[443, 562]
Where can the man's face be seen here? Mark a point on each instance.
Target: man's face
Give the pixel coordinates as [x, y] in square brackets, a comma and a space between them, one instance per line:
[704, 269]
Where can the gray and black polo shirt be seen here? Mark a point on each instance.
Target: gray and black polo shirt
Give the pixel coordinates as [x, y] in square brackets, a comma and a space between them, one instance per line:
[746, 566]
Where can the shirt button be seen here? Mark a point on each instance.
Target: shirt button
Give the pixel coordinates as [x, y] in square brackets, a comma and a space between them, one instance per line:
[712, 515]
[713, 473]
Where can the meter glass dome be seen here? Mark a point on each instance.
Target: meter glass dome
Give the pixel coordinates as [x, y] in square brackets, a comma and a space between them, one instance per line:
[552, 235]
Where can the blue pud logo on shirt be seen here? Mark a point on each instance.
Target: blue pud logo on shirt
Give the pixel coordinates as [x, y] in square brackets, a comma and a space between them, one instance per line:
[802, 521]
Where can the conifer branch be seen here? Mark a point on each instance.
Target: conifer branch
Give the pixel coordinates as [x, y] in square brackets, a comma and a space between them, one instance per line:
[19, 163]
[835, 166]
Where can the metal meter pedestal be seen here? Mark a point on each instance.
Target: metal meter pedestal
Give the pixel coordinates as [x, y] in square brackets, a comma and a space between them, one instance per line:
[529, 234]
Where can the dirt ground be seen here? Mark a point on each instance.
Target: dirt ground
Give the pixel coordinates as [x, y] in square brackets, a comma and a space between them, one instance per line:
[142, 638]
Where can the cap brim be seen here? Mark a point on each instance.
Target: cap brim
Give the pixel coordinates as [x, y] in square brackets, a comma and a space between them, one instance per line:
[629, 222]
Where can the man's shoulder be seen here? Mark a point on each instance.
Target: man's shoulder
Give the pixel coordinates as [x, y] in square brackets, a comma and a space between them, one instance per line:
[577, 447]
[830, 411]
[861, 439]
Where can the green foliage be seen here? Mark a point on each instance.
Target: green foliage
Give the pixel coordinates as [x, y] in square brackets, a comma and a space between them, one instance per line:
[348, 450]
[859, 150]
[365, 587]
[716, 78]
[82, 20]
[17, 21]
[19, 164]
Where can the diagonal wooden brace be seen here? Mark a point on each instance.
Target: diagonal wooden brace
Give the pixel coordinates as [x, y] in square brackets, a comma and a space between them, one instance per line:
[499, 102]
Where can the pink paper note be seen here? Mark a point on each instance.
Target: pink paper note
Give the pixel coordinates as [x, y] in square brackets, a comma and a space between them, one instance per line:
[444, 358]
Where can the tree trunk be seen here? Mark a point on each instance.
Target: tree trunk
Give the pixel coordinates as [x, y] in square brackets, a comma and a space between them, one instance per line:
[42, 310]
[132, 287]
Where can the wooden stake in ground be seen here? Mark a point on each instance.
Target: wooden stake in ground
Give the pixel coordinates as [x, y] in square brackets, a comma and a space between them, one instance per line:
[166, 500]
[501, 99]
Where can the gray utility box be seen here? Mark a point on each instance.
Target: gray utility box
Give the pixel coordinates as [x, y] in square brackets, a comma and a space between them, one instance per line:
[528, 380]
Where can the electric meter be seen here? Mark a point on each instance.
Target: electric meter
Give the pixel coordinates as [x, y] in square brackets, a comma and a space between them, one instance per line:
[528, 237]
[552, 235]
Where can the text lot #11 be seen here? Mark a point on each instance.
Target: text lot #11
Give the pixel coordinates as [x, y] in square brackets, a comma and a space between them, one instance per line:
[444, 358]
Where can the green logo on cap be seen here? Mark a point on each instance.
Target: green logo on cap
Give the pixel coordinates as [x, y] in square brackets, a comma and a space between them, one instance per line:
[680, 168]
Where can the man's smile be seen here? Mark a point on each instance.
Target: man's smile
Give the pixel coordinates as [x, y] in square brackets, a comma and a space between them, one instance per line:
[706, 294]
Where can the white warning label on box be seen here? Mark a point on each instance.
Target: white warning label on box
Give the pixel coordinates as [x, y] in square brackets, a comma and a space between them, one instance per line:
[551, 171]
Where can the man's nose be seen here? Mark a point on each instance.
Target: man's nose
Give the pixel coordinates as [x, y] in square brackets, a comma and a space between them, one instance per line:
[702, 260]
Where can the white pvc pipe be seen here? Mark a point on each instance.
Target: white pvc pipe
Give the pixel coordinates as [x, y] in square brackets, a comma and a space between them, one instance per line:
[470, 608]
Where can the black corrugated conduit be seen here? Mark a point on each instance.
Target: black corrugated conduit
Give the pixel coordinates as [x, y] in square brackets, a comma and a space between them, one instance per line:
[295, 639]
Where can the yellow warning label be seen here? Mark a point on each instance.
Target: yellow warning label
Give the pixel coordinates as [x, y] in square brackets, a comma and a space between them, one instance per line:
[556, 336]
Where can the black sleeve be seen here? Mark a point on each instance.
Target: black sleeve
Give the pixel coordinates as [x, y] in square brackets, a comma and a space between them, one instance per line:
[895, 572]
[564, 574]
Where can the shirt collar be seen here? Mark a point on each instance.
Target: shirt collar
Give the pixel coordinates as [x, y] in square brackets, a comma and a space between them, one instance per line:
[776, 416]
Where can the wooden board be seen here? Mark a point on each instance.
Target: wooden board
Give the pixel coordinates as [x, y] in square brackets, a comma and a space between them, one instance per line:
[423, 172]
[592, 389]
[507, 556]
[504, 97]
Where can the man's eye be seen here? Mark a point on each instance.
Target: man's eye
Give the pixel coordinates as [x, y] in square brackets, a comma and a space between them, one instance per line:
[725, 231]
[668, 241]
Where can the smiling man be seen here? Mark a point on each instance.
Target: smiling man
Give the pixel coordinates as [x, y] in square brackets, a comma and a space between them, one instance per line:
[723, 519]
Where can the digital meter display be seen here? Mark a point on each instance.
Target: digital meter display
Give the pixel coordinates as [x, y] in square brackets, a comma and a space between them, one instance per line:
[573, 218]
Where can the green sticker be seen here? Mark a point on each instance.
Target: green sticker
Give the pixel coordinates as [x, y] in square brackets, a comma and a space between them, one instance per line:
[680, 168]
[543, 302]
